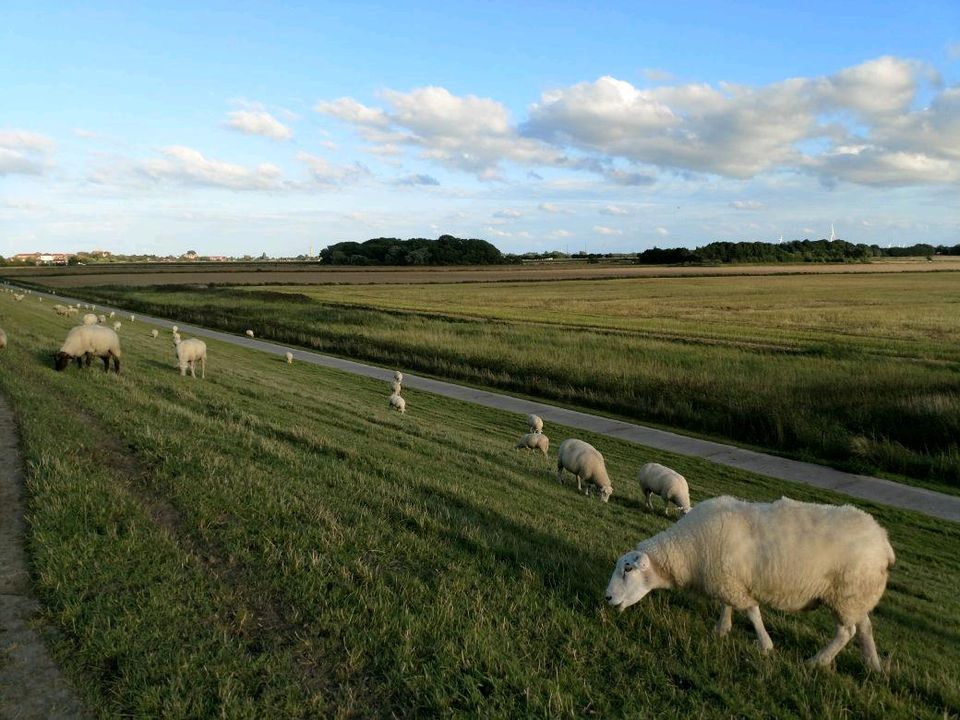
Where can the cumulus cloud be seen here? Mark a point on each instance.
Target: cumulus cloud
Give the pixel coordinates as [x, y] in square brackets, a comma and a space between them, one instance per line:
[747, 205]
[24, 153]
[417, 180]
[508, 214]
[187, 166]
[554, 209]
[560, 234]
[614, 210]
[603, 230]
[330, 175]
[258, 122]
[661, 231]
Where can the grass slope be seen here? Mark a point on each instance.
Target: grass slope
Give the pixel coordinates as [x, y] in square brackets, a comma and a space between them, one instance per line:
[779, 363]
[274, 542]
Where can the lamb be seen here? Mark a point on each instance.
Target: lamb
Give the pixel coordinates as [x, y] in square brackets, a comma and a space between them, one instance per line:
[396, 387]
[116, 326]
[89, 319]
[102, 319]
[154, 333]
[289, 356]
[586, 462]
[789, 555]
[249, 333]
[534, 441]
[86, 341]
[667, 483]
[397, 376]
[399, 403]
[188, 352]
[3, 339]
[535, 423]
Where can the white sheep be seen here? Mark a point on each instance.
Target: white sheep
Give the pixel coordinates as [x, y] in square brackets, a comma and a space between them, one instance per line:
[788, 555]
[3, 339]
[535, 423]
[132, 318]
[154, 333]
[60, 309]
[174, 329]
[188, 352]
[102, 319]
[89, 319]
[399, 403]
[176, 338]
[586, 462]
[397, 376]
[87, 341]
[534, 441]
[667, 483]
[116, 326]
[249, 333]
[112, 313]
[289, 356]
[396, 388]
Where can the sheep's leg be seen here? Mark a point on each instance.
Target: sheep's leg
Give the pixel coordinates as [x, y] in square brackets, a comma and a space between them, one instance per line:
[579, 484]
[647, 494]
[183, 369]
[106, 363]
[826, 656]
[867, 645]
[193, 372]
[116, 364]
[666, 507]
[763, 640]
[203, 368]
[725, 622]
[560, 474]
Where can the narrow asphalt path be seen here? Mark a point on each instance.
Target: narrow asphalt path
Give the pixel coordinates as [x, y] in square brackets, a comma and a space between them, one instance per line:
[31, 686]
[864, 487]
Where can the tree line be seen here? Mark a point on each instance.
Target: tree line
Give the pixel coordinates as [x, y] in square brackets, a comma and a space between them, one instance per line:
[445, 250]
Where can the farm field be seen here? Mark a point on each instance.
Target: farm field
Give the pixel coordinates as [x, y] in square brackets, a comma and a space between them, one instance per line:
[246, 273]
[858, 371]
[272, 541]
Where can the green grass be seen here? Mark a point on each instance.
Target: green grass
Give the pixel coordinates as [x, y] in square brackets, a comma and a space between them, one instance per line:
[273, 542]
[858, 371]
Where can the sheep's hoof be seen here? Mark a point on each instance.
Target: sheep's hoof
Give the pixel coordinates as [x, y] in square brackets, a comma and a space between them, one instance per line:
[765, 649]
[815, 662]
[721, 629]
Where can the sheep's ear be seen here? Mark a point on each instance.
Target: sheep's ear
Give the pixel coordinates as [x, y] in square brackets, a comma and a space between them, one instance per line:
[643, 562]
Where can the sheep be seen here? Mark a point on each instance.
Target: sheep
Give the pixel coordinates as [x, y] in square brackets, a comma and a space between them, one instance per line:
[60, 309]
[399, 403]
[788, 555]
[535, 423]
[586, 462]
[534, 441]
[188, 352]
[154, 333]
[396, 388]
[71, 310]
[86, 341]
[249, 333]
[89, 319]
[112, 313]
[176, 338]
[174, 329]
[132, 318]
[667, 483]
[3, 339]
[289, 356]
[116, 326]
[397, 376]
[102, 319]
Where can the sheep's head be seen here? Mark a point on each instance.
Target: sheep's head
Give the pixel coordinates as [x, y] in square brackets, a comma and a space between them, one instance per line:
[685, 510]
[61, 360]
[605, 492]
[633, 577]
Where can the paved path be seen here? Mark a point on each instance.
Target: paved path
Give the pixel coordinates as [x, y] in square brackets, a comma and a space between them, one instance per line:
[860, 486]
[31, 686]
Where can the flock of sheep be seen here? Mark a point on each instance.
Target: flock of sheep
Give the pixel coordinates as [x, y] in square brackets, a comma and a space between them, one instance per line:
[787, 555]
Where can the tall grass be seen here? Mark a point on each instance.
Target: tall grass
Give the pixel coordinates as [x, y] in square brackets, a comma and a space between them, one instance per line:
[881, 403]
[274, 542]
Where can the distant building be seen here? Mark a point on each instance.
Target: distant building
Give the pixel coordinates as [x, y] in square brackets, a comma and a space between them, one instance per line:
[190, 255]
[45, 258]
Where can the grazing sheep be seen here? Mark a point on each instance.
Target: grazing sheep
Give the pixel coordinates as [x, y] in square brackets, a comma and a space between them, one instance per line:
[154, 333]
[112, 313]
[289, 356]
[586, 462]
[396, 387]
[249, 333]
[89, 319]
[397, 376]
[399, 403]
[60, 309]
[102, 319]
[132, 318]
[789, 555]
[667, 483]
[174, 329]
[535, 423]
[71, 310]
[176, 338]
[3, 339]
[86, 341]
[188, 352]
[116, 326]
[534, 441]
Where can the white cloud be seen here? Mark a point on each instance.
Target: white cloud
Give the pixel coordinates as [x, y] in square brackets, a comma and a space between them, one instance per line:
[602, 230]
[329, 175]
[560, 235]
[24, 153]
[508, 214]
[614, 210]
[190, 167]
[661, 231]
[418, 179]
[349, 110]
[747, 205]
[554, 209]
[258, 122]
[499, 233]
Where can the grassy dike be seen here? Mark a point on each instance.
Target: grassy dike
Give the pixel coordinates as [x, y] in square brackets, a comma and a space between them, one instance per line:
[274, 542]
[873, 391]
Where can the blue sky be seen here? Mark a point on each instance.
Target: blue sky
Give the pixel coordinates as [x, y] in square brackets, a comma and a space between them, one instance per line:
[240, 128]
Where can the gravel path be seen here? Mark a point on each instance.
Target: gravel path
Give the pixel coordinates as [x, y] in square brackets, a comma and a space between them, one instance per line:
[864, 487]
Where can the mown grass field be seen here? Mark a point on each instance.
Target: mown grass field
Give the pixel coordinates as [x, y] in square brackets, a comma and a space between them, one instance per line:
[273, 542]
[859, 371]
